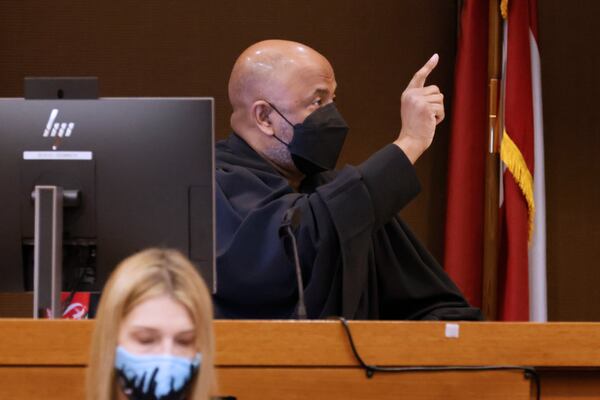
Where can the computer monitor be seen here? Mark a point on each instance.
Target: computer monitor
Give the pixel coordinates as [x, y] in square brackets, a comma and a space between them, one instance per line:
[144, 171]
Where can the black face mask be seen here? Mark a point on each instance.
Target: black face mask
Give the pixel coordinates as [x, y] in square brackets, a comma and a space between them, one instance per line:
[318, 140]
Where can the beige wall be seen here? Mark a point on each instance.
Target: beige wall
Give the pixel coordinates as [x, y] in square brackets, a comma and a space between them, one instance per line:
[187, 47]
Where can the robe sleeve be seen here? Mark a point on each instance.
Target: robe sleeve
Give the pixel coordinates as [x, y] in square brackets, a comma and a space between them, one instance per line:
[391, 182]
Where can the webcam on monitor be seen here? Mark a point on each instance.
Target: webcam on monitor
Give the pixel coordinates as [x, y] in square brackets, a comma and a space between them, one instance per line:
[50, 88]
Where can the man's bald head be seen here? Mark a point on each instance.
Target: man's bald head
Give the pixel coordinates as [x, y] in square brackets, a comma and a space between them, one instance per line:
[263, 69]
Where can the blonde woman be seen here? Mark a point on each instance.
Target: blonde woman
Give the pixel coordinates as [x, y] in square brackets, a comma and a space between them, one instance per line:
[153, 333]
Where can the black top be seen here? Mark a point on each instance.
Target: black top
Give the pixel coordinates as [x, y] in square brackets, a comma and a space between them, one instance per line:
[359, 260]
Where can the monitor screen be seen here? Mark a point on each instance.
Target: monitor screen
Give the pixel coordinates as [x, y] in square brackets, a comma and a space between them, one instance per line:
[143, 169]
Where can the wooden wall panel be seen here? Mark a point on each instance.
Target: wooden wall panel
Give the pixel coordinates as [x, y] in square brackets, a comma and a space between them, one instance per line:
[571, 83]
[53, 383]
[49, 383]
[326, 383]
[187, 48]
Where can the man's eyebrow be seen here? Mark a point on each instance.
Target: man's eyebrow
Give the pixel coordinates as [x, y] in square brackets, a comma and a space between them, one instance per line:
[321, 92]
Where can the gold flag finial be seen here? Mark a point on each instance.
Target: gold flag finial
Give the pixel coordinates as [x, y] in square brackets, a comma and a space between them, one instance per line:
[504, 8]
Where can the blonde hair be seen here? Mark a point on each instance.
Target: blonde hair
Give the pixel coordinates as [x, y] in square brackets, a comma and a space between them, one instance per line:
[139, 277]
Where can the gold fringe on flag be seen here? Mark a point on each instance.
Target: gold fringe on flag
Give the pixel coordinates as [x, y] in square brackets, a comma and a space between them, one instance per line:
[512, 157]
[504, 8]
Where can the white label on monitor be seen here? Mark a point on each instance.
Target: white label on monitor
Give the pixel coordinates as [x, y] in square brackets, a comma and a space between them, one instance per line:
[57, 155]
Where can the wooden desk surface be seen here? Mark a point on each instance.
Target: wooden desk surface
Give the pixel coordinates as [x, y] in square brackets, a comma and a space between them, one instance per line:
[316, 343]
[312, 359]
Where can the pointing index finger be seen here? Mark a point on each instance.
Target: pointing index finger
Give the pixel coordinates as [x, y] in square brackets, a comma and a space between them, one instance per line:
[418, 80]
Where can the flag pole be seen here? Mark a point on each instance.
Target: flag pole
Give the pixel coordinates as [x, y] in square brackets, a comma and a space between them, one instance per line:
[491, 239]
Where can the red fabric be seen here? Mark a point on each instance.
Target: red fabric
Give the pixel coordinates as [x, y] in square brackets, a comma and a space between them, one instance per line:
[518, 121]
[466, 163]
[533, 20]
[78, 307]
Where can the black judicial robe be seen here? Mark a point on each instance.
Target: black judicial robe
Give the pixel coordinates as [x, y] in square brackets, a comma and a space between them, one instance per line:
[359, 260]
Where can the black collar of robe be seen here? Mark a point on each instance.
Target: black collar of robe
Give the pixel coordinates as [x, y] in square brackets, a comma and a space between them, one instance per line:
[353, 264]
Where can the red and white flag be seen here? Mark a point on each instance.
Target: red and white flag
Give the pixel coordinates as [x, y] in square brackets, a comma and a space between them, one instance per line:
[523, 210]
[522, 264]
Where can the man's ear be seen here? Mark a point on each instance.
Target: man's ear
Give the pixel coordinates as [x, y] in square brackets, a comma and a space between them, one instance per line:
[261, 115]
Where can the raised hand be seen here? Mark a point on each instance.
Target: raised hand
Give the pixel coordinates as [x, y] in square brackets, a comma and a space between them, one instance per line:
[421, 109]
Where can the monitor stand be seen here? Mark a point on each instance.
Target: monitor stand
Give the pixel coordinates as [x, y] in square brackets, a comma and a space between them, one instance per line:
[48, 245]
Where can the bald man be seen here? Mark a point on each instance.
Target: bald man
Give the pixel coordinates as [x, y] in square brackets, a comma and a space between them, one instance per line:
[357, 258]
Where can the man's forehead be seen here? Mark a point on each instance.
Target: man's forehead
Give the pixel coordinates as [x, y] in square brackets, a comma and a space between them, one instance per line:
[303, 84]
[317, 77]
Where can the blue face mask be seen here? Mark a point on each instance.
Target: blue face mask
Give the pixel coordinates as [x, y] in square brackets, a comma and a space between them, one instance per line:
[155, 377]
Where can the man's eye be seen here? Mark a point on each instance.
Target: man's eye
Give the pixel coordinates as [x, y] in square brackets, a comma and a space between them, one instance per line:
[317, 102]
